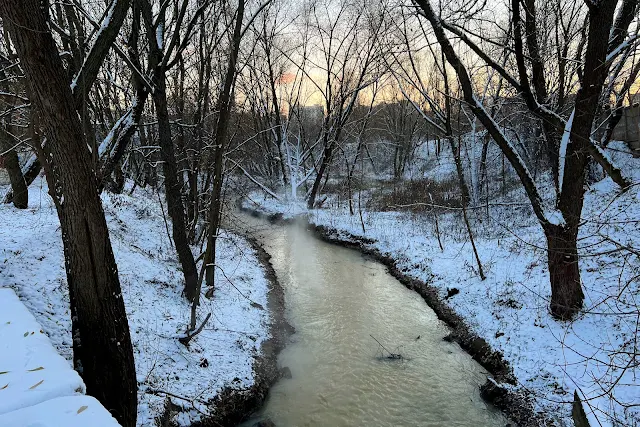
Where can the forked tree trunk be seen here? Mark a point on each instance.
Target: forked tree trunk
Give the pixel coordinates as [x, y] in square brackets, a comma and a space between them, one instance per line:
[567, 296]
[102, 350]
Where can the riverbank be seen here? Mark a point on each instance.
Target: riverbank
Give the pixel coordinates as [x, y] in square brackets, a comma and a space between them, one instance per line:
[503, 321]
[226, 370]
[233, 406]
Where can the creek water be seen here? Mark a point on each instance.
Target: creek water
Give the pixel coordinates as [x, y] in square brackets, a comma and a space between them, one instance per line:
[337, 299]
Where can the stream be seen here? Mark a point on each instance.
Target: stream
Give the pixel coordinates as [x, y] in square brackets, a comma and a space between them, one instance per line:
[337, 299]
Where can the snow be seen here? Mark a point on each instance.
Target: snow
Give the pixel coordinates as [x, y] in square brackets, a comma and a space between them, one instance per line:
[564, 144]
[127, 119]
[103, 27]
[160, 35]
[31, 370]
[32, 264]
[66, 411]
[550, 359]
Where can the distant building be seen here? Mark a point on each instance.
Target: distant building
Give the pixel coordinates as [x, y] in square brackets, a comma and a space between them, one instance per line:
[628, 129]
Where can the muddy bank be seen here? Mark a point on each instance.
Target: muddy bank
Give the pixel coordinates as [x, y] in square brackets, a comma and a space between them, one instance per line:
[513, 400]
[232, 406]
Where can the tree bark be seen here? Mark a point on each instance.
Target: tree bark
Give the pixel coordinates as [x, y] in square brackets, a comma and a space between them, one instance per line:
[564, 271]
[102, 349]
[12, 165]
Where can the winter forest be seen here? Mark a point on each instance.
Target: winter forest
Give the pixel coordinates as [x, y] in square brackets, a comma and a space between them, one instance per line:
[320, 213]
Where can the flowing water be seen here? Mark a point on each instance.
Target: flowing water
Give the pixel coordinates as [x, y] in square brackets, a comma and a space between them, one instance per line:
[337, 299]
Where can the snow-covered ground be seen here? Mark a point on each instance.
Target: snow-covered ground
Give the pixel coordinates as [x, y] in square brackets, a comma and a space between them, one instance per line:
[37, 385]
[597, 354]
[32, 264]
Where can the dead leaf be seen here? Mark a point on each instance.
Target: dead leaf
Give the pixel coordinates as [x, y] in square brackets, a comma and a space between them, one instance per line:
[4, 372]
[5, 386]
[39, 368]
[82, 408]
[36, 385]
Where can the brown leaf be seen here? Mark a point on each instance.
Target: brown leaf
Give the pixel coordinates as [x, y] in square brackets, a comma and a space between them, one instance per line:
[82, 408]
[5, 386]
[36, 385]
[39, 368]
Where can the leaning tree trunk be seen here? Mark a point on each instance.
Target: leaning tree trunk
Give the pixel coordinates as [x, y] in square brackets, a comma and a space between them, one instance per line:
[102, 349]
[172, 187]
[326, 159]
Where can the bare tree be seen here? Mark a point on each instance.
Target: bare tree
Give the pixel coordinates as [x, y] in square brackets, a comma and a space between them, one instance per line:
[576, 145]
[102, 347]
[160, 59]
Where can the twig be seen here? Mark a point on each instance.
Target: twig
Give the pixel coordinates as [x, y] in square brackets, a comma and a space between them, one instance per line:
[164, 217]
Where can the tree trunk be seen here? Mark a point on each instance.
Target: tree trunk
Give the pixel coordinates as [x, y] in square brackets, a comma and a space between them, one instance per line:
[12, 164]
[88, 72]
[172, 186]
[102, 349]
[564, 272]
[326, 159]
[11, 161]
[222, 129]
[172, 190]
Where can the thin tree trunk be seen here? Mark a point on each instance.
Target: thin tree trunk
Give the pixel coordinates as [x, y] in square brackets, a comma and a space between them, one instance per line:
[102, 349]
[222, 129]
[167, 154]
[464, 189]
[172, 190]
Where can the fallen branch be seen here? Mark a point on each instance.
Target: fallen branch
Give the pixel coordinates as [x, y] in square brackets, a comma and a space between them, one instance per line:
[157, 392]
[189, 336]
[391, 355]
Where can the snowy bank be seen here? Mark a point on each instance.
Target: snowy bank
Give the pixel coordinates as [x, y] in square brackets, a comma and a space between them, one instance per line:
[37, 385]
[222, 358]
